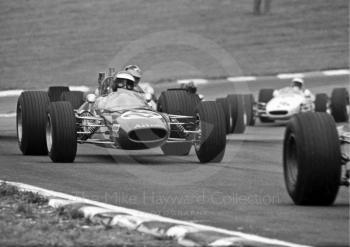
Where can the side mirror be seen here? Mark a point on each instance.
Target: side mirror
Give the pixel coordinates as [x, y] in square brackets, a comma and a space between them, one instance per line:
[148, 97]
[91, 98]
[307, 93]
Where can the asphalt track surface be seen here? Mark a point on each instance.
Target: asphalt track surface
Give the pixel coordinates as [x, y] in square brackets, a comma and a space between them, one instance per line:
[245, 192]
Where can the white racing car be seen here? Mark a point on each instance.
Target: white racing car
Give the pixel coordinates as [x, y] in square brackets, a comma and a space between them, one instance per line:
[284, 103]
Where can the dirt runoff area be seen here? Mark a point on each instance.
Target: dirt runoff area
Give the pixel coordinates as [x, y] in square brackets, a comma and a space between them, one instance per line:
[45, 43]
[26, 219]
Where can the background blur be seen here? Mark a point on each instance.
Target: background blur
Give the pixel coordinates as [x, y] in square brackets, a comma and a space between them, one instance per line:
[47, 42]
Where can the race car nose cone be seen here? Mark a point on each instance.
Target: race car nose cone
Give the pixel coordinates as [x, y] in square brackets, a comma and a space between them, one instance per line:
[147, 134]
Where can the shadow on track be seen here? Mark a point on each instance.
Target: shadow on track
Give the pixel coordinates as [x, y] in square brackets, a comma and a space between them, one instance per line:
[8, 138]
[132, 159]
[252, 141]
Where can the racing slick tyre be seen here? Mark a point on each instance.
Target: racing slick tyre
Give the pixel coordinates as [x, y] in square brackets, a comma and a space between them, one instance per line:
[225, 107]
[249, 108]
[212, 143]
[61, 132]
[76, 98]
[265, 95]
[239, 117]
[55, 92]
[312, 159]
[178, 102]
[339, 102]
[321, 101]
[30, 122]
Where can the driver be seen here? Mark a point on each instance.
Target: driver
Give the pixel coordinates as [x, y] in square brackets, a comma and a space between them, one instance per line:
[135, 71]
[123, 79]
[190, 87]
[298, 84]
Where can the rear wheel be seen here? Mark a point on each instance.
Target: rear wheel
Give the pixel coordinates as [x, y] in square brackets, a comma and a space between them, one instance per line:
[265, 95]
[61, 132]
[249, 108]
[76, 98]
[31, 120]
[212, 143]
[178, 102]
[339, 103]
[56, 91]
[321, 101]
[239, 117]
[225, 107]
[312, 159]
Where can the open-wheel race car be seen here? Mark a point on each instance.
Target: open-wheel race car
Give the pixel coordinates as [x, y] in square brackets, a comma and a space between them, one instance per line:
[315, 158]
[284, 103]
[122, 119]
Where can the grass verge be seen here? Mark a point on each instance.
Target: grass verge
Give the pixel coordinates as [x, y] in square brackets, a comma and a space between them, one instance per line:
[27, 220]
[64, 42]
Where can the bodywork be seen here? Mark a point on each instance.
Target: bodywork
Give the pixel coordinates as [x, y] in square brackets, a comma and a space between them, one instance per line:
[344, 139]
[124, 119]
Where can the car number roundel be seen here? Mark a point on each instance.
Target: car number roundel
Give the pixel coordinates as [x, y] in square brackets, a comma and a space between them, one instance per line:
[140, 114]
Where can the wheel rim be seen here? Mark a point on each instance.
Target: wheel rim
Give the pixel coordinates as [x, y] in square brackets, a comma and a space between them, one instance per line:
[19, 124]
[291, 163]
[49, 133]
[197, 144]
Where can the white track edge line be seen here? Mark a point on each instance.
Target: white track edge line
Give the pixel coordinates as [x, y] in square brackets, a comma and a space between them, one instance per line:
[9, 93]
[336, 72]
[7, 115]
[242, 78]
[17, 92]
[247, 236]
[195, 81]
[290, 75]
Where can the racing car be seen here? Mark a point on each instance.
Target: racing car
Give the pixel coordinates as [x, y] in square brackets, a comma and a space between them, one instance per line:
[284, 103]
[122, 119]
[316, 156]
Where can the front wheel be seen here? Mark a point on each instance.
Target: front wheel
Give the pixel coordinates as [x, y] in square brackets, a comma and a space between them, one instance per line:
[178, 102]
[321, 102]
[312, 159]
[61, 132]
[265, 95]
[212, 138]
[339, 103]
[249, 108]
[223, 102]
[238, 113]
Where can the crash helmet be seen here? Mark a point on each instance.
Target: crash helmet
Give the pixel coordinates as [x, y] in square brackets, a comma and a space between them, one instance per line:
[123, 79]
[191, 88]
[135, 71]
[298, 82]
